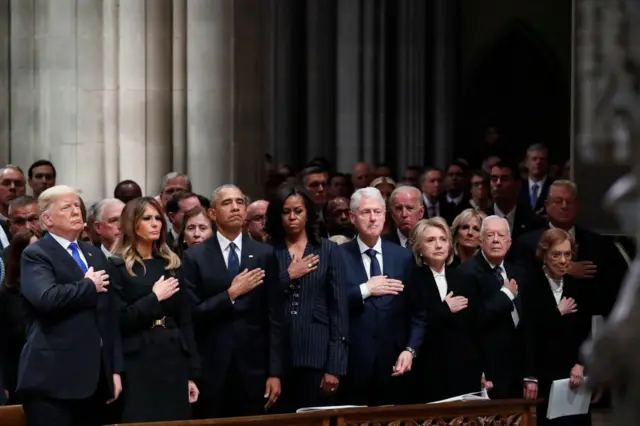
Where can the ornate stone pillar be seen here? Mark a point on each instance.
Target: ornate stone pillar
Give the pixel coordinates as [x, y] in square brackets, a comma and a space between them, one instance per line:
[5, 80]
[179, 99]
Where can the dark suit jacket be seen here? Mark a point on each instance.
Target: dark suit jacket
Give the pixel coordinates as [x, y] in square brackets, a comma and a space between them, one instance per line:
[451, 354]
[523, 222]
[249, 333]
[592, 247]
[524, 197]
[72, 331]
[317, 310]
[508, 356]
[380, 328]
[447, 209]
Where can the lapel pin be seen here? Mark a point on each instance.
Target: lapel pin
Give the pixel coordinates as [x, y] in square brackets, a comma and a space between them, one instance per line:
[250, 256]
[89, 254]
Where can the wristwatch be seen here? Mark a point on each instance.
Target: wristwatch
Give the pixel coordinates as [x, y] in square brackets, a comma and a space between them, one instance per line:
[411, 351]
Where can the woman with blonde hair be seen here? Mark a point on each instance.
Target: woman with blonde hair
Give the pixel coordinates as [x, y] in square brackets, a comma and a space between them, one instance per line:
[466, 234]
[160, 358]
[450, 356]
[560, 312]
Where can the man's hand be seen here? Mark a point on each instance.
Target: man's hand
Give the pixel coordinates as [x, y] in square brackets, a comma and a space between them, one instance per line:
[576, 378]
[245, 281]
[117, 388]
[301, 267]
[272, 392]
[512, 286]
[193, 392]
[567, 306]
[530, 390]
[456, 303]
[329, 383]
[383, 286]
[403, 364]
[100, 279]
[583, 269]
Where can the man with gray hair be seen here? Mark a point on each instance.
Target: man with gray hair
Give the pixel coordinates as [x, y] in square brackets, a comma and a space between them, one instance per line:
[495, 287]
[107, 222]
[534, 192]
[386, 323]
[71, 362]
[406, 210]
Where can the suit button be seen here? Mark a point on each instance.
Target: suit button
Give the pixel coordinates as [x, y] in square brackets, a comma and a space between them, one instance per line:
[294, 312]
[292, 286]
[294, 304]
[344, 339]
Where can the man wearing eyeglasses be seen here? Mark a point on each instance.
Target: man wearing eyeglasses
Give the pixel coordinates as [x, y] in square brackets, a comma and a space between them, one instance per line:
[12, 186]
[23, 214]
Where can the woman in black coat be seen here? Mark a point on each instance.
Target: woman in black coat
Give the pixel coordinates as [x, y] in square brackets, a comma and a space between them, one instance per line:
[449, 362]
[311, 276]
[160, 357]
[560, 313]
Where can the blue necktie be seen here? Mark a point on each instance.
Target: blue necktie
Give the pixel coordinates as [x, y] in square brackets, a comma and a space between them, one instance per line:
[375, 265]
[534, 195]
[76, 256]
[233, 264]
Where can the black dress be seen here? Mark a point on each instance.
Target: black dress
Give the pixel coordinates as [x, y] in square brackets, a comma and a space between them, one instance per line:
[13, 325]
[158, 361]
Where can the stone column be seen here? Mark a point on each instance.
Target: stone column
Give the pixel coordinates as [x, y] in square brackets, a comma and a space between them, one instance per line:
[179, 100]
[209, 93]
[110, 100]
[411, 92]
[5, 80]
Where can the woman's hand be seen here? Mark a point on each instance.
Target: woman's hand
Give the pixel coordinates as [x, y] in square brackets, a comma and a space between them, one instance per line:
[567, 306]
[165, 288]
[301, 267]
[456, 303]
[576, 379]
[329, 384]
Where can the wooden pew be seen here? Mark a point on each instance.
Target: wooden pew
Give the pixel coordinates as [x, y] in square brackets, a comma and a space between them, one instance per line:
[12, 415]
[319, 418]
[499, 412]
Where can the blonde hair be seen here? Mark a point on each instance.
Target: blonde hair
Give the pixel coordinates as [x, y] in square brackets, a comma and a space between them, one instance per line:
[50, 196]
[382, 180]
[339, 239]
[126, 247]
[466, 216]
[417, 236]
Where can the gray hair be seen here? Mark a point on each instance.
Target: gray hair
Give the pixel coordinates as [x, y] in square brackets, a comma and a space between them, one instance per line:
[221, 188]
[405, 188]
[538, 147]
[25, 200]
[564, 183]
[369, 193]
[174, 175]
[493, 218]
[98, 208]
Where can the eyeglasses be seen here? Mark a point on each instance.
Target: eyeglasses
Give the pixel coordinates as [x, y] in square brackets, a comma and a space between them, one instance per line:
[557, 255]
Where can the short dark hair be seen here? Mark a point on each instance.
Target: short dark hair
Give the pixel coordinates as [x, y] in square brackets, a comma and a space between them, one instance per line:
[460, 164]
[41, 163]
[204, 201]
[274, 227]
[313, 170]
[173, 205]
[513, 168]
[428, 169]
[19, 242]
[23, 201]
[337, 175]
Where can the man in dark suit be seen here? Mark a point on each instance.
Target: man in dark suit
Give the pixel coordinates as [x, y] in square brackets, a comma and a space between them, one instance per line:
[505, 185]
[71, 362]
[598, 266]
[507, 337]
[386, 320]
[435, 202]
[533, 192]
[406, 210]
[238, 314]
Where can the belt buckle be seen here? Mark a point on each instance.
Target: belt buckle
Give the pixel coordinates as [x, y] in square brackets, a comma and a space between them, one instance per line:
[160, 323]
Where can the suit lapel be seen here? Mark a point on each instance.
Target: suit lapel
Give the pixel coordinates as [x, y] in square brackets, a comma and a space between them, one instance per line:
[218, 259]
[62, 255]
[91, 261]
[247, 256]
[356, 257]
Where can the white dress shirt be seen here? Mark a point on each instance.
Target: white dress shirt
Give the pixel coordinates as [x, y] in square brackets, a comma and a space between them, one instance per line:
[403, 240]
[65, 245]
[224, 247]
[433, 209]
[441, 282]
[366, 262]
[540, 184]
[503, 272]
[106, 252]
[455, 200]
[557, 288]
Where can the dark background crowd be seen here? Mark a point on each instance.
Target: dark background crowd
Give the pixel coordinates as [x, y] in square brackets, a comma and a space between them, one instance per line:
[370, 288]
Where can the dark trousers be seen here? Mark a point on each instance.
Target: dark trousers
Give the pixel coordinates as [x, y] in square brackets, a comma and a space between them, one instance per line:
[42, 410]
[301, 389]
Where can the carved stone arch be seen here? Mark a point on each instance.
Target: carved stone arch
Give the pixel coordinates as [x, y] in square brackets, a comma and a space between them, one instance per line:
[518, 83]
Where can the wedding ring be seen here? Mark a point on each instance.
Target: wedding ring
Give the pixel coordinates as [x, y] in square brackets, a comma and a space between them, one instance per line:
[333, 389]
[310, 265]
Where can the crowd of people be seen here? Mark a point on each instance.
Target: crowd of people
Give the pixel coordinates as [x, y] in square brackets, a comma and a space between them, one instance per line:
[334, 289]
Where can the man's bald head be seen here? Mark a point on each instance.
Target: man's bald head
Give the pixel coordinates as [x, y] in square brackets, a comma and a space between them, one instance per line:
[256, 218]
[361, 175]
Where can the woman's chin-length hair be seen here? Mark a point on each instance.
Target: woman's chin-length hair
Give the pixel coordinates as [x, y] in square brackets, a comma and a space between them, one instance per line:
[274, 227]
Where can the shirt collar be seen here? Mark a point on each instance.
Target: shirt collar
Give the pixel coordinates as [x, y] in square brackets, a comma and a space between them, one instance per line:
[437, 274]
[556, 286]
[62, 241]
[500, 213]
[540, 182]
[429, 203]
[493, 266]
[572, 231]
[106, 252]
[363, 247]
[224, 242]
[401, 238]
[455, 200]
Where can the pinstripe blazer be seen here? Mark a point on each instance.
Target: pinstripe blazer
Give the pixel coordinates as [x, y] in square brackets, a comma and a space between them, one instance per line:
[316, 309]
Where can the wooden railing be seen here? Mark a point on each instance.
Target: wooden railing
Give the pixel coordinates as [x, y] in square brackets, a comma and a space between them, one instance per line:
[481, 413]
